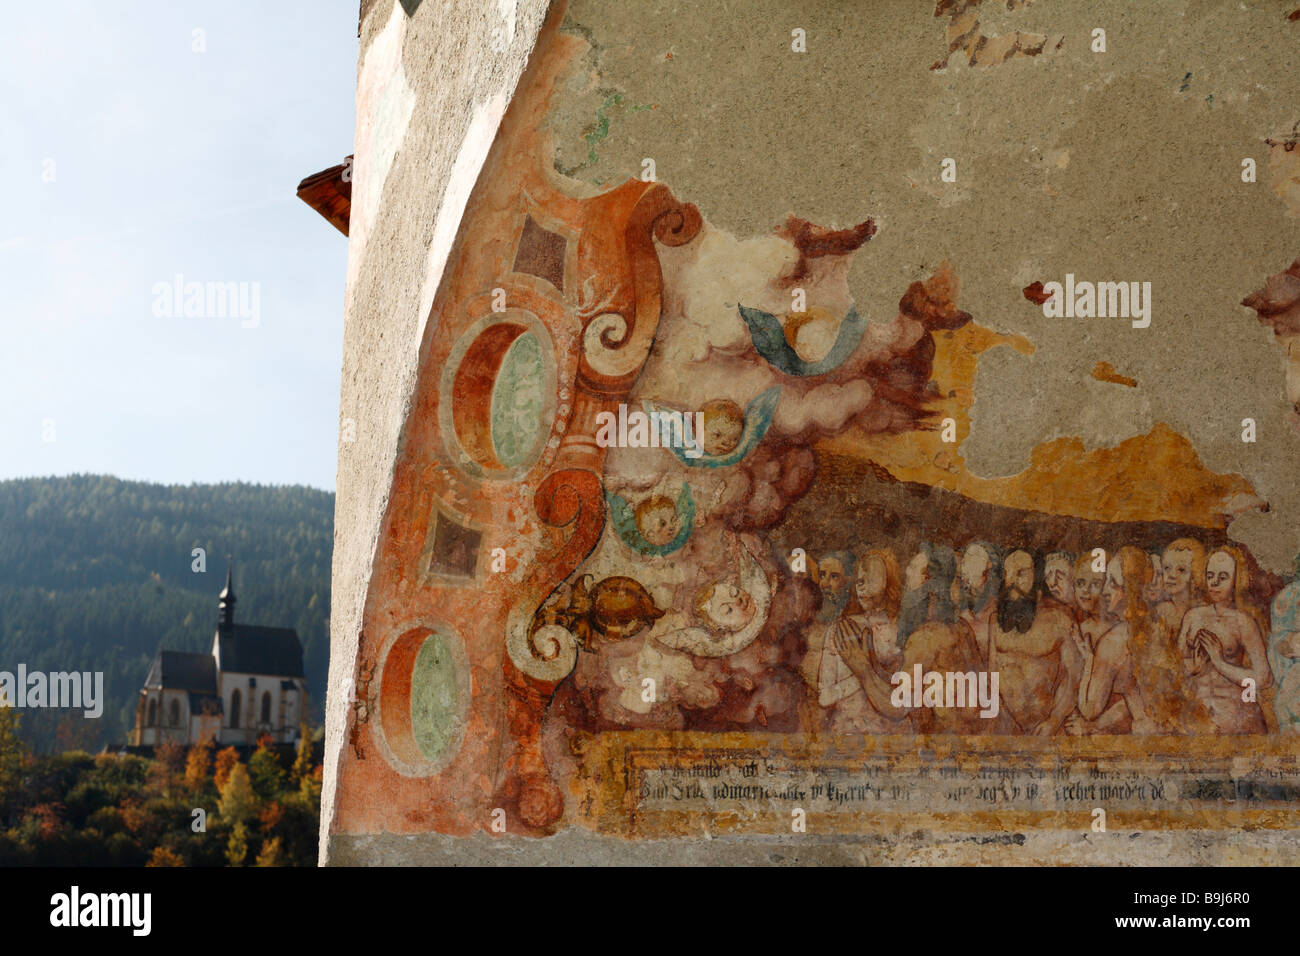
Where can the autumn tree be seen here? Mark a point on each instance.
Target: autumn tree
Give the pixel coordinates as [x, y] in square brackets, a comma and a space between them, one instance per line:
[302, 760]
[271, 816]
[265, 771]
[310, 787]
[168, 757]
[238, 800]
[237, 847]
[226, 760]
[198, 766]
[270, 855]
[12, 755]
[165, 857]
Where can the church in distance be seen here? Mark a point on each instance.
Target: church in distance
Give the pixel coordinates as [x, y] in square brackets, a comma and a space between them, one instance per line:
[251, 684]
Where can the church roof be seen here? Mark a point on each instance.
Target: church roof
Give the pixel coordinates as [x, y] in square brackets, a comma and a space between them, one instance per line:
[250, 649]
[179, 670]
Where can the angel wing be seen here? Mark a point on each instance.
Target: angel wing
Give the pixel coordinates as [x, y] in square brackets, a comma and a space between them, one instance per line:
[758, 417]
[769, 341]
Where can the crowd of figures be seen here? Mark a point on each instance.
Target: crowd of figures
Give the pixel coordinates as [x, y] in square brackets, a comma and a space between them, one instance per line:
[1096, 643]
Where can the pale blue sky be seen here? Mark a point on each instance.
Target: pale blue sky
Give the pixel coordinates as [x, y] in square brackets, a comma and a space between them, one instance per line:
[166, 161]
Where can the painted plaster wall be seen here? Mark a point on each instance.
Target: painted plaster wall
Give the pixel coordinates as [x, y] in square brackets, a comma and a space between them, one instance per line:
[1064, 165]
[431, 90]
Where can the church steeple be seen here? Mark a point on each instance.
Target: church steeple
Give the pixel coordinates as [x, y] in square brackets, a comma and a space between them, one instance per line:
[226, 599]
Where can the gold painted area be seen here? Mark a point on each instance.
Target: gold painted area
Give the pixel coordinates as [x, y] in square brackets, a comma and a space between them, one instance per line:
[1153, 477]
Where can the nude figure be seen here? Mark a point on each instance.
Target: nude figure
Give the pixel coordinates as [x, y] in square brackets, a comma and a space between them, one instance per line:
[1183, 565]
[1035, 652]
[946, 647]
[930, 635]
[863, 652]
[1221, 646]
[939, 641]
[1087, 598]
[1109, 698]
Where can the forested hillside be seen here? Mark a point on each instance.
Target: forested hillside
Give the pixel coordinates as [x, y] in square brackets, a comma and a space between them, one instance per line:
[97, 573]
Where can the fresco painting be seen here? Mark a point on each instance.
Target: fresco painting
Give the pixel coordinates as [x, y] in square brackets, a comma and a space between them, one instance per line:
[824, 607]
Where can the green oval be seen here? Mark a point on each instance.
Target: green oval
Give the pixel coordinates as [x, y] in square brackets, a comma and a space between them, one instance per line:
[435, 697]
[517, 400]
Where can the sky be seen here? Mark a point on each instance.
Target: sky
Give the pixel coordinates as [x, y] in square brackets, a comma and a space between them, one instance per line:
[144, 140]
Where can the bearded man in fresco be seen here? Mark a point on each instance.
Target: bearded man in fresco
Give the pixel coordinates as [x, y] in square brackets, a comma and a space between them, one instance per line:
[978, 574]
[834, 580]
[861, 651]
[934, 638]
[1035, 652]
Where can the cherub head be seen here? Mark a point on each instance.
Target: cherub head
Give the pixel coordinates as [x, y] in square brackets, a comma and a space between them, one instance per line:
[724, 421]
[723, 607]
[657, 520]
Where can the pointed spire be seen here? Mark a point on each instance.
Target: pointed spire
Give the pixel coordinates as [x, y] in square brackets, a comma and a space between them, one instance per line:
[226, 600]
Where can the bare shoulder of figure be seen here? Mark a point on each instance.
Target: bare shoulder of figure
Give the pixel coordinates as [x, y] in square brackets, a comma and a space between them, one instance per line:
[1058, 621]
[1114, 643]
[1056, 613]
[925, 640]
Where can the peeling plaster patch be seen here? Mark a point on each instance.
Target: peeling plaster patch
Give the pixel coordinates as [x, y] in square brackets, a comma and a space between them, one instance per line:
[464, 174]
[1100, 417]
[964, 34]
